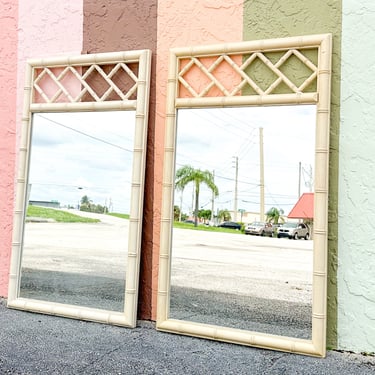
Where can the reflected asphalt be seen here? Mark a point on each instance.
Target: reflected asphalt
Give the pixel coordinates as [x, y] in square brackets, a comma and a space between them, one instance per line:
[40, 344]
[228, 279]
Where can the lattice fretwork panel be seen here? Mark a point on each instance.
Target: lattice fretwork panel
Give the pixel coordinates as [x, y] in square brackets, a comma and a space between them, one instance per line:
[94, 83]
[290, 71]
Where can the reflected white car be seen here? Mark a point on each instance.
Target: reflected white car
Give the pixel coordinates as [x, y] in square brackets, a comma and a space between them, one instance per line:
[259, 228]
[294, 230]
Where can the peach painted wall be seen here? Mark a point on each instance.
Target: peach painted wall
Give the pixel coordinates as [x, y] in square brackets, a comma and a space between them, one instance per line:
[8, 92]
[180, 24]
[42, 28]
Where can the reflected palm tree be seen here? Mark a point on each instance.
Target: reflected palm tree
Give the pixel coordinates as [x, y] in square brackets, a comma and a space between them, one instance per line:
[224, 215]
[274, 215]
[187, 174]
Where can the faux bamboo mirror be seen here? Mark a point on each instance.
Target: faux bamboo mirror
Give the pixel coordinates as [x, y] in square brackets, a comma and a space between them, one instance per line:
[78, 215]
[244, 123]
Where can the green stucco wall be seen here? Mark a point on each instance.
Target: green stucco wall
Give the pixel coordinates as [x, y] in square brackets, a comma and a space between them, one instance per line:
[282, 18]
[356, 235]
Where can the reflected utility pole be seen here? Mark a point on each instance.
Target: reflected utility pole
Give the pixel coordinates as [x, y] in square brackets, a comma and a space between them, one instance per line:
[192, 201]
[299, 179]
[180, 214]
[309, 182]
[213, 198]
[235, 189]
[261, 177]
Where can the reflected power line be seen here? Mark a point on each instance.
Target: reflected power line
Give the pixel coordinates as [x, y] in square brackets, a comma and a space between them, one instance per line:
[86, 135]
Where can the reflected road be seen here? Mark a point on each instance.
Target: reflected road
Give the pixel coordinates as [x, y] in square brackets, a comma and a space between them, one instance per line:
[260, 266]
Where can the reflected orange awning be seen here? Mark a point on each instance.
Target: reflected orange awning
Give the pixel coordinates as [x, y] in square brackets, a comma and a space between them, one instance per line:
[304, 208]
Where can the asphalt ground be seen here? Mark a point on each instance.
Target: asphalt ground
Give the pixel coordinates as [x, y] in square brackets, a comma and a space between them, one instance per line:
[41, 344]
[274, 298]
[193, 304]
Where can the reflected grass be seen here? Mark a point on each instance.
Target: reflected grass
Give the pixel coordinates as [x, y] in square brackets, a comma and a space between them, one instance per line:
[205, 228]
[57, 215]
[182, 225]
[121, 216]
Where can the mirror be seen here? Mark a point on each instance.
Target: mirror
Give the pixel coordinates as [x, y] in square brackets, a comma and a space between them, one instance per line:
[78, 213]
[222, 276]
[75, 249]
[247, 131]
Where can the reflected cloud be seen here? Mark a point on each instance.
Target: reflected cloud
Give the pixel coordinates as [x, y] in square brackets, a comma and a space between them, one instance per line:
[72, 147]
[212, 138]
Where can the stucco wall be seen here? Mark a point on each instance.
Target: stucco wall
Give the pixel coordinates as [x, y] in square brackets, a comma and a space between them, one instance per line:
[157, 25]
[8, 90]
[356, 271]
[45, 27]
[31, 29]
[117, 26]
[282, 18]
[50, 28]
[182, 24]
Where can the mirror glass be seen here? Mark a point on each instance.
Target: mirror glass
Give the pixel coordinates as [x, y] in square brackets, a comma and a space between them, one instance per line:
[78, 203]
[260, 160]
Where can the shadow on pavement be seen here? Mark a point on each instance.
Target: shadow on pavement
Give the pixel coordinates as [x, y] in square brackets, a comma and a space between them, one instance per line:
[242, 312]
[198, 305]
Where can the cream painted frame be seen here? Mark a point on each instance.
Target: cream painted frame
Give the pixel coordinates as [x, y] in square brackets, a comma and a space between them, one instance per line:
[321, 98]
[140, 105]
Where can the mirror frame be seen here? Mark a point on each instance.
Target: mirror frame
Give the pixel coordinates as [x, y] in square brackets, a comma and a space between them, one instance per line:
[321, 98]
[68, 98]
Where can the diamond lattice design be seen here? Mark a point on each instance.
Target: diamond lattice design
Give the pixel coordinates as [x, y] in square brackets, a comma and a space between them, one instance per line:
[75, 84]
[244, 79]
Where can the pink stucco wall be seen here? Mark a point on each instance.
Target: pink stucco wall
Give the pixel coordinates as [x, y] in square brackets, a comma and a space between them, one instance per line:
[28, 29]
[8, 80]
[47, 28]
[182, 24]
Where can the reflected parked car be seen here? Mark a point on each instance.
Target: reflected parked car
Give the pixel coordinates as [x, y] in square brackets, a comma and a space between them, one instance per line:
[259, 228]
[294, 230]
[230, 225]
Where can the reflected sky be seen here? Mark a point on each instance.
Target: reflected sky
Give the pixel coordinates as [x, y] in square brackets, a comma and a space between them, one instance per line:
[213, 139]
[82, 153]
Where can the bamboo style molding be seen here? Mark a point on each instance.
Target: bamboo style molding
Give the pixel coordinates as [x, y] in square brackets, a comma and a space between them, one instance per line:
[64, 75]
[216, 94]
[70, 83]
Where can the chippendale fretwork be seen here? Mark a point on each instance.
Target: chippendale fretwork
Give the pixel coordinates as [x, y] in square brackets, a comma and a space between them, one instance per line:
[286, 71]
[103, 82]
[70, 78]
[86, 82]
[243, 70]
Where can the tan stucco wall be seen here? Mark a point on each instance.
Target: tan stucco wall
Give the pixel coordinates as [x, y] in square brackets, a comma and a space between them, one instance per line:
[116, 26]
